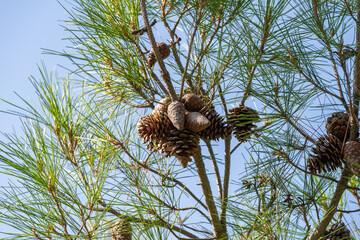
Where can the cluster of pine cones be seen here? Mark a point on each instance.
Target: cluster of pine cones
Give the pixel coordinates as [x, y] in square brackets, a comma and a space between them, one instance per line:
[328, 152]
[175, 128]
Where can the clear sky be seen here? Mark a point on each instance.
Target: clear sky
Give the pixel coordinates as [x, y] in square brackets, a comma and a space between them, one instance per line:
[26, 26]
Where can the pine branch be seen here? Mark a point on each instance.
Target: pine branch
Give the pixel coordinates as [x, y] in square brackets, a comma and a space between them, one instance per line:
[164, 73]
[215, 166]
[225, 193]
[219, 230]
[332, 209]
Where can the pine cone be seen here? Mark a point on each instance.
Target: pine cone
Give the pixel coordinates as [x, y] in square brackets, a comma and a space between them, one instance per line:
[162, 106]
[164, 52]
[352, 156]
[328, 154]
[217, 129]
[242, 120]
[154, 127]
[337, 125]
[181, 144]
[192, 102]
[337, 231]
[195, 121]
[176, 114]
[121, 231]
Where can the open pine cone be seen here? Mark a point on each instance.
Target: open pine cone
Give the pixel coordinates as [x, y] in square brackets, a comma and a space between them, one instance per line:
[327, 154]
[352, 156]
[121, 231]
[337, 231]
[218, 128]
[154, 127]
[242, 120]
[337, 125]
[181, 144]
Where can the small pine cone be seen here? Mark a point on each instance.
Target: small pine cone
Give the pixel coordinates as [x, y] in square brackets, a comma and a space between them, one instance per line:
[162, 106]
[352, 156]
[218, 128]
[337, 231]
[154, 126]
[181, 144]
[242, 120]
[121, 231]
[196, 122]
[164, 52]
[327, 154]
[337, 125]
[176, 114]
[192, 102]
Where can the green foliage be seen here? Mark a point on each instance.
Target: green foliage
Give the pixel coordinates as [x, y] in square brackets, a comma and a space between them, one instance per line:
[80, 166]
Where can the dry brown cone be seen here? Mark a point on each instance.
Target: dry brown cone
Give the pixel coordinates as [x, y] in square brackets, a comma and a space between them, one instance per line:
[192, 102]
[327, 155]
[154, 127]
[242, 120]
[218, 127]
[121, 231]
[164, 50]
[337, 231]
[181, 144]
[352, 156]
[337, 125]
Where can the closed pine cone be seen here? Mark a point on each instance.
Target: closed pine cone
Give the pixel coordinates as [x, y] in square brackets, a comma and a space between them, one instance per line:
[154, 126]
[192, 102]
[327, 154]
[181, 144]
[121, 231]
[176, 114]
[242, 120]
[352, 156]
[196, 122]
[164, 52]
[162, 106]
[337, 125]
[337, 231]
[218, 128]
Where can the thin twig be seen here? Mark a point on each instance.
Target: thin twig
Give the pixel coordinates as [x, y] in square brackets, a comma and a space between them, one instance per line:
[215, 165]
[225, 194]
[258, 56]
[122, 146]
[141, 31]
[192, 37]
[325, 40]
[289, 120]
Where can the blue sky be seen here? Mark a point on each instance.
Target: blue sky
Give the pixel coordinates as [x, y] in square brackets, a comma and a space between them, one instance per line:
[26, 27]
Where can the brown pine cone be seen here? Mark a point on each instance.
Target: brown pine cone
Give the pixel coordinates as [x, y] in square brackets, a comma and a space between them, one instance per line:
[218, 127]
[327, 154]
[242, 120]
[121, 231]
[352, 156]
[164, 50]
[337, 125]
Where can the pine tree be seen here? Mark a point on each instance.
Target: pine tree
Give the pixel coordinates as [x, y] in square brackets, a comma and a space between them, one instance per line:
[193, 119]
